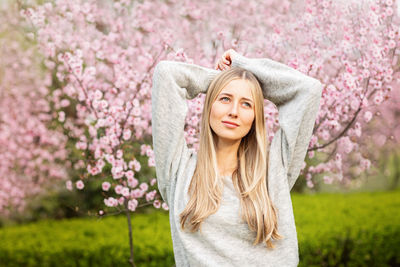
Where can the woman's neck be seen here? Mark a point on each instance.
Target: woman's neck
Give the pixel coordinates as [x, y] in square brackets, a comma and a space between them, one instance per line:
[227, 158]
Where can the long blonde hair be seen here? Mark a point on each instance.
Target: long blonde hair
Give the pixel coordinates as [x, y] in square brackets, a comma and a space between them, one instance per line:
[250, 176]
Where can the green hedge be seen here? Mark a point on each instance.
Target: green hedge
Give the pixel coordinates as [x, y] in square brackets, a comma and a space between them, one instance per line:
[357, 229]
[360, 229]
[88, 242]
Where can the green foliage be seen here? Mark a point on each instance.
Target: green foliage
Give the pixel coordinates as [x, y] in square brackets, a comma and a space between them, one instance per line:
[361, 229]
[358, 229]
[88, 242]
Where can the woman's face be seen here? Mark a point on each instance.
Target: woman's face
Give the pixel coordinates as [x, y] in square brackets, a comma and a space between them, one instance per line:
[234, 104]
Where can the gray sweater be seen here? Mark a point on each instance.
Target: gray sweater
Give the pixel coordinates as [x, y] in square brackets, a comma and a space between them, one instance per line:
[225, 239]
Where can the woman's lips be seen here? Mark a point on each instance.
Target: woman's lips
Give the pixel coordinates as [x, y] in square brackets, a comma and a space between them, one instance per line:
[230, 125]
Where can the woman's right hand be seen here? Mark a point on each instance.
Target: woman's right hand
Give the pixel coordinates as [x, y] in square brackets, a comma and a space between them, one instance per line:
[225, 62]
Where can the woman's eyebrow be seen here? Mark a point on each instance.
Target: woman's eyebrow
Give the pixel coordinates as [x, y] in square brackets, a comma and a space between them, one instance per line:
[232, 95]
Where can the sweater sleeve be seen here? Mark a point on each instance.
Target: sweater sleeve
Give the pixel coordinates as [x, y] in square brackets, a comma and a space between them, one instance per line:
[173, 83]
[297, 97]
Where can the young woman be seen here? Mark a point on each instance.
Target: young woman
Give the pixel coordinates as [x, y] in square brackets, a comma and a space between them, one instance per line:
[230, 203]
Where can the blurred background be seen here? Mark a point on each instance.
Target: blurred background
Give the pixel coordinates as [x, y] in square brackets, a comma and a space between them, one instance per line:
[77, 180]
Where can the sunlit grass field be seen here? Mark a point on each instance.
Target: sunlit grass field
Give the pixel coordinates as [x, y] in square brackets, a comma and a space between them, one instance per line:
[357, 229]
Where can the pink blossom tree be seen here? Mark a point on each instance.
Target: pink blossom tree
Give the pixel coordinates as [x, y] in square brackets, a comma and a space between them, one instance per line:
[32, 154]
[382, 139]
[352, 48]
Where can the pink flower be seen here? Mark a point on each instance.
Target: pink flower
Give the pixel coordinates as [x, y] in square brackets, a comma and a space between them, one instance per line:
[134, 164]
[64, 103]
[98, 94]
[357, 129]
[111, 202]
[81, 145]
[132, 182]
[100, 164]
[127, 134]
[165, 206]
[103, 104]
[68, 184]
[153, 181]
[338, 161]
[194, 120]
[118, 189]
[392, 34]
[151, 162]
[132, 204]
[105, 186]
[149, 152]
[125, 191]
[110, 158]
[389, 11]
[325, 135]
[94, 171]
[191, 132]
[355, 103]
[365, 73]
[365, 164]
[129, 174]
[392, 44]
[346, 144]
[367, 116]
[80, 185]
[61, 116]
[150, 196]
[119, 154]
[137, 193]
[143, 149]
[117, 172]
[388, 78]
[144, 186]
[378, 98]
[157, 204]
[136, 112]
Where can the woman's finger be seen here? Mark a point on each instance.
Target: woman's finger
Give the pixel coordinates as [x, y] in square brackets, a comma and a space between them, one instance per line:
[228, 55]
[220, 66]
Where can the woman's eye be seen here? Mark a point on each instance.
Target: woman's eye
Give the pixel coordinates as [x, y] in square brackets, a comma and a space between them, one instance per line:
[225, 97]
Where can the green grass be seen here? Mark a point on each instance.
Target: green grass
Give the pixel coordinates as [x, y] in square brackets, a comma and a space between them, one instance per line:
[355, 227]
[359, 229]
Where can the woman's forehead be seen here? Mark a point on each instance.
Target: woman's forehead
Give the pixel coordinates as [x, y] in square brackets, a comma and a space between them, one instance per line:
[239, 88]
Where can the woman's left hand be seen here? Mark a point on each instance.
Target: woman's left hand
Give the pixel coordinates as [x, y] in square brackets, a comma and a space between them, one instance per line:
[224, 63]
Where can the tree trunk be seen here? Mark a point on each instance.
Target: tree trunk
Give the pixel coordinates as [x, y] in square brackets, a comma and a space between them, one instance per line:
[128, 216]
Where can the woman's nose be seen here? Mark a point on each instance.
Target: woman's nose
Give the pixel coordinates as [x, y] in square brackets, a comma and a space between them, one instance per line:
[234, 109]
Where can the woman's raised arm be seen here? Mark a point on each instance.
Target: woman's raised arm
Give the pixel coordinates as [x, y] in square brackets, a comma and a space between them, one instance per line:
[173, 83]
[297, 97]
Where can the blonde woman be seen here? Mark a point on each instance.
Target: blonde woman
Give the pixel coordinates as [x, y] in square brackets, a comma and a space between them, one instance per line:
[230, 203]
